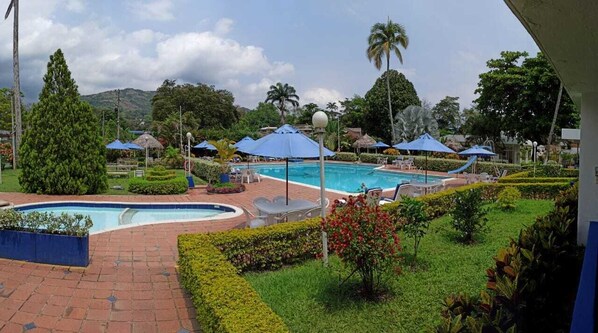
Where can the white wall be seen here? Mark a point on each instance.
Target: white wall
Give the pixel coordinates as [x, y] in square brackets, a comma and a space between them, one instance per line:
[588, 161]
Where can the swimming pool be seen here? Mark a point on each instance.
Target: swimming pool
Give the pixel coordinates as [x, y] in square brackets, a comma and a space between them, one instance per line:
[108, 216]
[341, 177]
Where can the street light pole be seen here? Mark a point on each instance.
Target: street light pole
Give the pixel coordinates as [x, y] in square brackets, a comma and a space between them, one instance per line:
[535, 156]
[146, 154]
[188, 154]
[319, 121]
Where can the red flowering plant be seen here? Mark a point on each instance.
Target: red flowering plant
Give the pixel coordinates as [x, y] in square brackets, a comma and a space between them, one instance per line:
[364, 238]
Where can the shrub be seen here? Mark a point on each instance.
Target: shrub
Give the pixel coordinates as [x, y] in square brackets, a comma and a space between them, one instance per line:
[507, 198]
[468, 214]
[363, 237]
[160, 173]
[505, 180]
[347, 157]
[208, 170]
[415, 221]
[172, 158]
[63, 224]
[551, 170]
[172, 186]
[225, 302]
[225, 188]
[532, 286]
[371, 158]
[391, 151]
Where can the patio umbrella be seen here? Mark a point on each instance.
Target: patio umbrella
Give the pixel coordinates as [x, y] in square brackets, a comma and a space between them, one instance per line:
[285, 142]
[379, 144]
[402, 145]
[427, 143]
[204, 145]
[477, 151]
[133, 146]
[117, 145]
[243, 142]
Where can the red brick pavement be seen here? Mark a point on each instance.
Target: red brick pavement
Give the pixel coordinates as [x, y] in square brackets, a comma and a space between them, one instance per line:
[131, 284]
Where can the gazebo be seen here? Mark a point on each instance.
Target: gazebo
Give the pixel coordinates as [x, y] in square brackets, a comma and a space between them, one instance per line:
[146, 140]
[364, 142]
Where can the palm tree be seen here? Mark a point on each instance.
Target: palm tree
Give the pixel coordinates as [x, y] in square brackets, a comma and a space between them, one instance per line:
[282, 94]
[385, 39]
[14, 5]
[415, 121]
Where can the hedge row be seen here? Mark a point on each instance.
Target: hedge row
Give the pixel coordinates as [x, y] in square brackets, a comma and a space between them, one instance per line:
[225, 301]
[172, 186]
[346, 157]
[207, 170]
[536, 180]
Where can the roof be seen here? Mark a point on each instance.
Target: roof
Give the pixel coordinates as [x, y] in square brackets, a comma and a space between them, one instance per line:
[364, 142]
[151, 141]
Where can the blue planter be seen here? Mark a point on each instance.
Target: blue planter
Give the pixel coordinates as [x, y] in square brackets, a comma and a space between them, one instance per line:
[45, 248]
[224, 178]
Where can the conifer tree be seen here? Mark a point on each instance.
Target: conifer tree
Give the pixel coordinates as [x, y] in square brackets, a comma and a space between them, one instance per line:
[62, 150]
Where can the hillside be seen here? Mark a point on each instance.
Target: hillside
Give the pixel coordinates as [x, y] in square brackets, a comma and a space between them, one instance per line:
[135, 104]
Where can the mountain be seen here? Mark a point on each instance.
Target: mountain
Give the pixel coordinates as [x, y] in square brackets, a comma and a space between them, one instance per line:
[135, 105]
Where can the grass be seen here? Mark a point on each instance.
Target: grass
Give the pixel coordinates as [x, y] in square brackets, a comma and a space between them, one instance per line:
[10, 182]
[309, 299]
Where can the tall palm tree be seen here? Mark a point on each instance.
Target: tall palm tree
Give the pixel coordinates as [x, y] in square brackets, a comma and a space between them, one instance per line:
[385, 39]
[14, 5]
[283, 95]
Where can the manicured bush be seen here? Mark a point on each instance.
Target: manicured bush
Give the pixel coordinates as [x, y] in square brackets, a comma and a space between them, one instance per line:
[160, 173]
[507, 198]
[63, 224]
[532, 286]
[570, 173]
[414, 221]
[537, 180]
[469, 217]
[364, 238]
[225, 302]
[172, 186]
[207, 170]
[172, 158]
[62, 150]
[345, 156]
[373, 158]
[225, 188]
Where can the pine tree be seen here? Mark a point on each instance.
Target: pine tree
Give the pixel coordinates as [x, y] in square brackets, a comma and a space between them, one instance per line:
[62, 150]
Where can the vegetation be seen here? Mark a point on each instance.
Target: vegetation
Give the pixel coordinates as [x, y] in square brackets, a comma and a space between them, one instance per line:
[383, 40]
[226, 152]
[172, 158]
[363, 236]
[402, 94]
[282, 95]
[414, 121]
[447, 115]
[160, 173]
[63, 224]
[414, 221]
[171, 186]
[62, 151]
[135, 106]
[309, 299]
[469, 217]
[207, 170]
[507, 198]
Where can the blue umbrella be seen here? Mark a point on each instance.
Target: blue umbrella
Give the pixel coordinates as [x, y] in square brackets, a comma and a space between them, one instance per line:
[402, 145]
[379, 144]
[205, 145]
[133, 146]
[427, 143]
[285, 142]
[244, 142]
[476, 151]
[117, 145]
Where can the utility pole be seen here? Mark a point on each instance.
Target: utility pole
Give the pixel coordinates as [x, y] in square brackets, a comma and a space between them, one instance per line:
[117, 115]
[181, 127]
[12, 133]
[16, 97]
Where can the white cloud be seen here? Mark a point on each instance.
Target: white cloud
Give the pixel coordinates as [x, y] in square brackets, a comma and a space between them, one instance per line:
[156, 10]
[321, 96]
[76, 6]
[223, 26]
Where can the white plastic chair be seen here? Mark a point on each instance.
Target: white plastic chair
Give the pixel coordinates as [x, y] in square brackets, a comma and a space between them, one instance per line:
[292, 216]
[314, 212]
[254, 175]
[326, 202]
[252, 220]
[245, 175]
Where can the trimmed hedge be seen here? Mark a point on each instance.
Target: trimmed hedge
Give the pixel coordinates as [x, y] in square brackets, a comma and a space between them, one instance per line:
[225, 302]
[344, 156]
[373, 158]
[272, 247]
[160, 173]
[208, 170]
[173, 186]
[537, 180]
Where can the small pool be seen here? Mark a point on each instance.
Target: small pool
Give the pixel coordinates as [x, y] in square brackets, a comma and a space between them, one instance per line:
[110, 216]
[342, 177]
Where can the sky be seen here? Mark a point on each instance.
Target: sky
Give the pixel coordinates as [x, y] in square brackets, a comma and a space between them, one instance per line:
[316, 46]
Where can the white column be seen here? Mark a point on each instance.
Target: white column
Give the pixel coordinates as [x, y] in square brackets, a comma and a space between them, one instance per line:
[588, 162]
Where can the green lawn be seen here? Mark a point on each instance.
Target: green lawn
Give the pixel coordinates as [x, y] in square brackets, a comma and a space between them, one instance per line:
[309, 299]
[10, 182]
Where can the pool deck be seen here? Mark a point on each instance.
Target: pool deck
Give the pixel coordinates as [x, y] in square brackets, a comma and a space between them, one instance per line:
[131, 283]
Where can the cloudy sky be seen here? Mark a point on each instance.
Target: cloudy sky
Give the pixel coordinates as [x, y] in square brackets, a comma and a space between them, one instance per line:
[317, 46]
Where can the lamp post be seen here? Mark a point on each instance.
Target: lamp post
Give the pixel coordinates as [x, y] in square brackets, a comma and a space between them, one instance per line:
[535, 155]
[320, 120]
[146, 154]
[188, 154]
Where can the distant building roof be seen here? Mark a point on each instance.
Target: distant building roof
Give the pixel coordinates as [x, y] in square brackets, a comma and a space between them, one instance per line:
[353, 132]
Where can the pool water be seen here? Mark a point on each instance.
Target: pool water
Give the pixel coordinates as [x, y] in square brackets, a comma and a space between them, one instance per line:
[110, 216]
[341, 177]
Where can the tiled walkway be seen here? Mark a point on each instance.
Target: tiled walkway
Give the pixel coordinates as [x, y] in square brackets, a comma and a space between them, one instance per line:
[131, 284]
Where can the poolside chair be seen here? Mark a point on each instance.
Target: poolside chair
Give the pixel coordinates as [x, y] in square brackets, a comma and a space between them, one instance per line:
[372, 195]
[503, 173]
[326, 202]
[259, 200]
[395, 196]
[280, 199]
[255, 176]
[485, 177]
[292, 216]
[409, 191]
[252, 220]
[314, 212]
[245, 175]
[408, 164]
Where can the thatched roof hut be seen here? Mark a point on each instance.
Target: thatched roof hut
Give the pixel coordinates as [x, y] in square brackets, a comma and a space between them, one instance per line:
[364, 142]
[152, 143]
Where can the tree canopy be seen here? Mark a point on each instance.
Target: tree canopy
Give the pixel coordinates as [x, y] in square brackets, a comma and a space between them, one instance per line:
[402, 94]
[414, 121]
[518, 96]
[62, 150]
[5, 109]
[264, 114]
[283, 95]
[446, 113]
